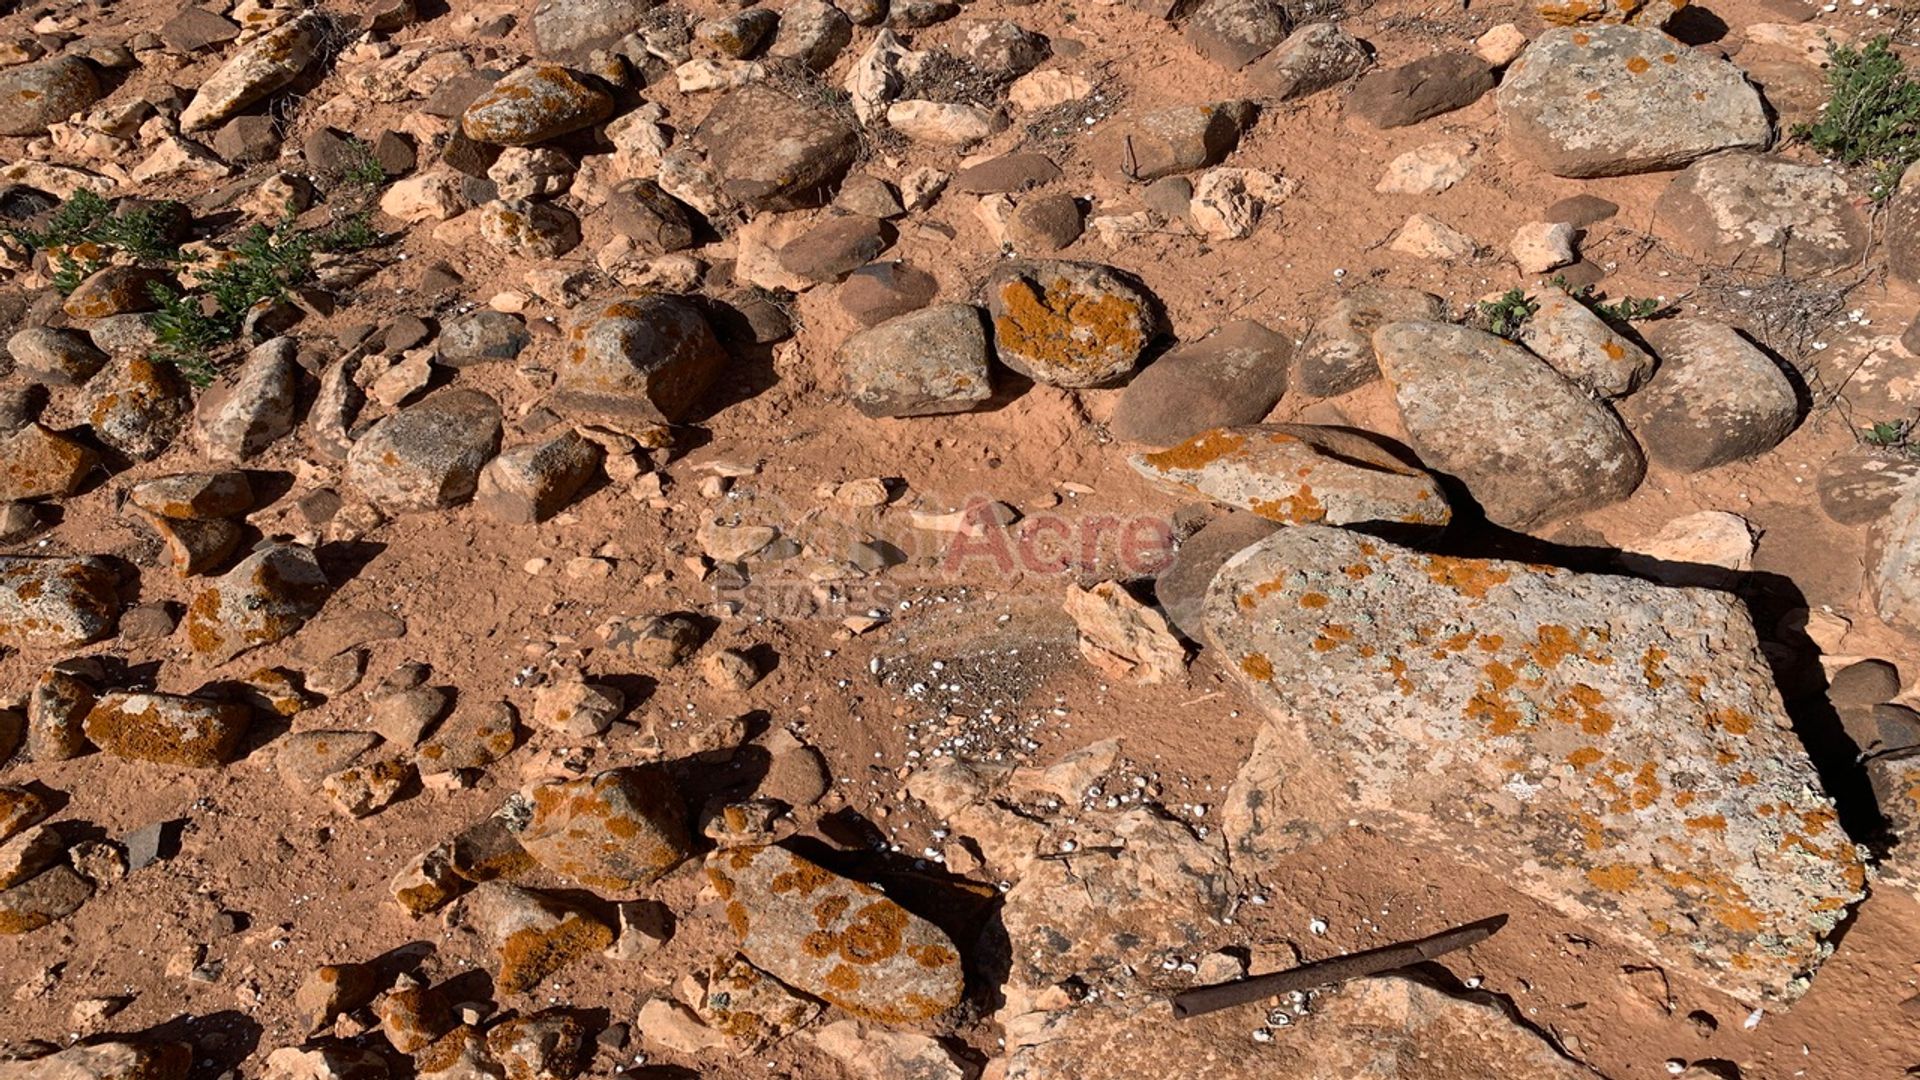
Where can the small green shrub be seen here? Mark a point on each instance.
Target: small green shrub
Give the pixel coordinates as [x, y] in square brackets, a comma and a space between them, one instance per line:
[1507, 315]
[1626, 309]
[84, 233]
[1895, 435]
[1872, 116]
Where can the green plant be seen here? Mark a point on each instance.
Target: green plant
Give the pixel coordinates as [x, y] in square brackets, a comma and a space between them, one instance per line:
[363, 168]
[1896, 435]
[84, 234]
[1627, 309]
[1872, 116]
[1507, 315]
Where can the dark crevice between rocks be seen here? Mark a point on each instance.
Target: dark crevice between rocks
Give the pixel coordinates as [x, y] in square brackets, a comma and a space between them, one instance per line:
[1436, 976]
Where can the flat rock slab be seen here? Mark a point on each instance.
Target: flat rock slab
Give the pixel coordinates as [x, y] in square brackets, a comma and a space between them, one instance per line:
[1385, 1028]
[838, 939]
[1612, 747]
[1527, 442]
[1297, 474]
[1616, 100]
[775, 151]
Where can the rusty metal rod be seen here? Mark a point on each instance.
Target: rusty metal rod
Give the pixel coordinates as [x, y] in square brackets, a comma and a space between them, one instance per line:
[1337, 969]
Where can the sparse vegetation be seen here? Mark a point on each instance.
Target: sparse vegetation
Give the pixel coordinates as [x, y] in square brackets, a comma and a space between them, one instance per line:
[84, 234]
[1507, 315]
[1872, 117]
[363, 168]
[1895, 435]
[1626, 309]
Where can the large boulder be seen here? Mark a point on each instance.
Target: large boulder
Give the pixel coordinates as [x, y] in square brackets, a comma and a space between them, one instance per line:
[1614, 100]
[650, 359]
[776, 152]
[1716, 398]
[1528, 444]
[1754, 209]
[1609, 746]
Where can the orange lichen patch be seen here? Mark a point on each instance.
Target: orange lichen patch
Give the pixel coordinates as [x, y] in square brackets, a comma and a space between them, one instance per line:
[1684, 799]
[1468, 577]
[1301, 508]
[1732, 721]
[1616, 878]
[1582, 705]
[1584, 757]
[1593, 834]
[1398, 668]
[1257, 666]
[1495, 711]
[1198, 452]
[1639, 65]
[1331, 637]
[1314, 600]
[932, 956]
[1066, 326]
[803, 878]
[1708, 822]
[1650, 667]
[830, 909]
[843, 978]
[1358, 570]
[530, 955]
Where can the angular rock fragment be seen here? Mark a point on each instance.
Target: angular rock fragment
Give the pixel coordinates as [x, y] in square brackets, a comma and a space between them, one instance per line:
[1427, 87]
[650, 359]
[1527, 443]
[613, 833]
[366, 789]
[923, 363]
[1611, 747]
[332, 989]
[531, 483]
[1235, 375]
[1616, 100]
[195, 496]
[534, 934]
[1068, 324]
[474, 737]
[428, 455]
[35, 96]
[194, 545]
[1716, 398]
[167, 729]
[1580, 345]
[242, 420]
[1123, 637]
[750, 1007]
[1296, 474]
[21, 808]
[258, 68]
[29, 853]
[305, 758]
[413, 1015]
[57, 706]
[775, 152]
[43, 900]
[136, 406]
[547, 1045]
[1338, 353]
[1316, 57]
[1234, 33]
[1175, 140]
[61, 357]
[427, 882]
[37, 463]
[835, 939]
[57, 602]
[266, 598]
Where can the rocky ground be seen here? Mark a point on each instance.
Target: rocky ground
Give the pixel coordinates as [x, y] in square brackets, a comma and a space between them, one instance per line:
[869, 540]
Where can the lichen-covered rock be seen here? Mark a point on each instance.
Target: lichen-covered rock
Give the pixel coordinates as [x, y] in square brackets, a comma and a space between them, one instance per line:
[428, 455]
[168, 729]
[29, 853]
[613, 833]
[1750, 208]
[1383, 1028]
[197, 496]
[750, 1007]
[1580, 345]
[1338, 353]
[923, 363]
[547, 1045]
[1068, 324]
[37, 463]
[257, 68]
[58, 356]
[137, 406]
[648, 359]
[1594, 12]
[1316, 57]
[56, 708]
[1527, 443]
[41, 901]
[1297, 474]
[33, 96]
[1716, 398]
[529, 230]
[1612, 747]
[194, 545]
[57, 602]
[115, 290]
[534, 934]
[474, 737]
[427, 882]
[836, 939]
[268, 596]
[306, 758]
[366, 789]
[533, 104]
[775, 152]
[108, 1061]
[1615, 100]
[1233, 33]
[532, 483]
